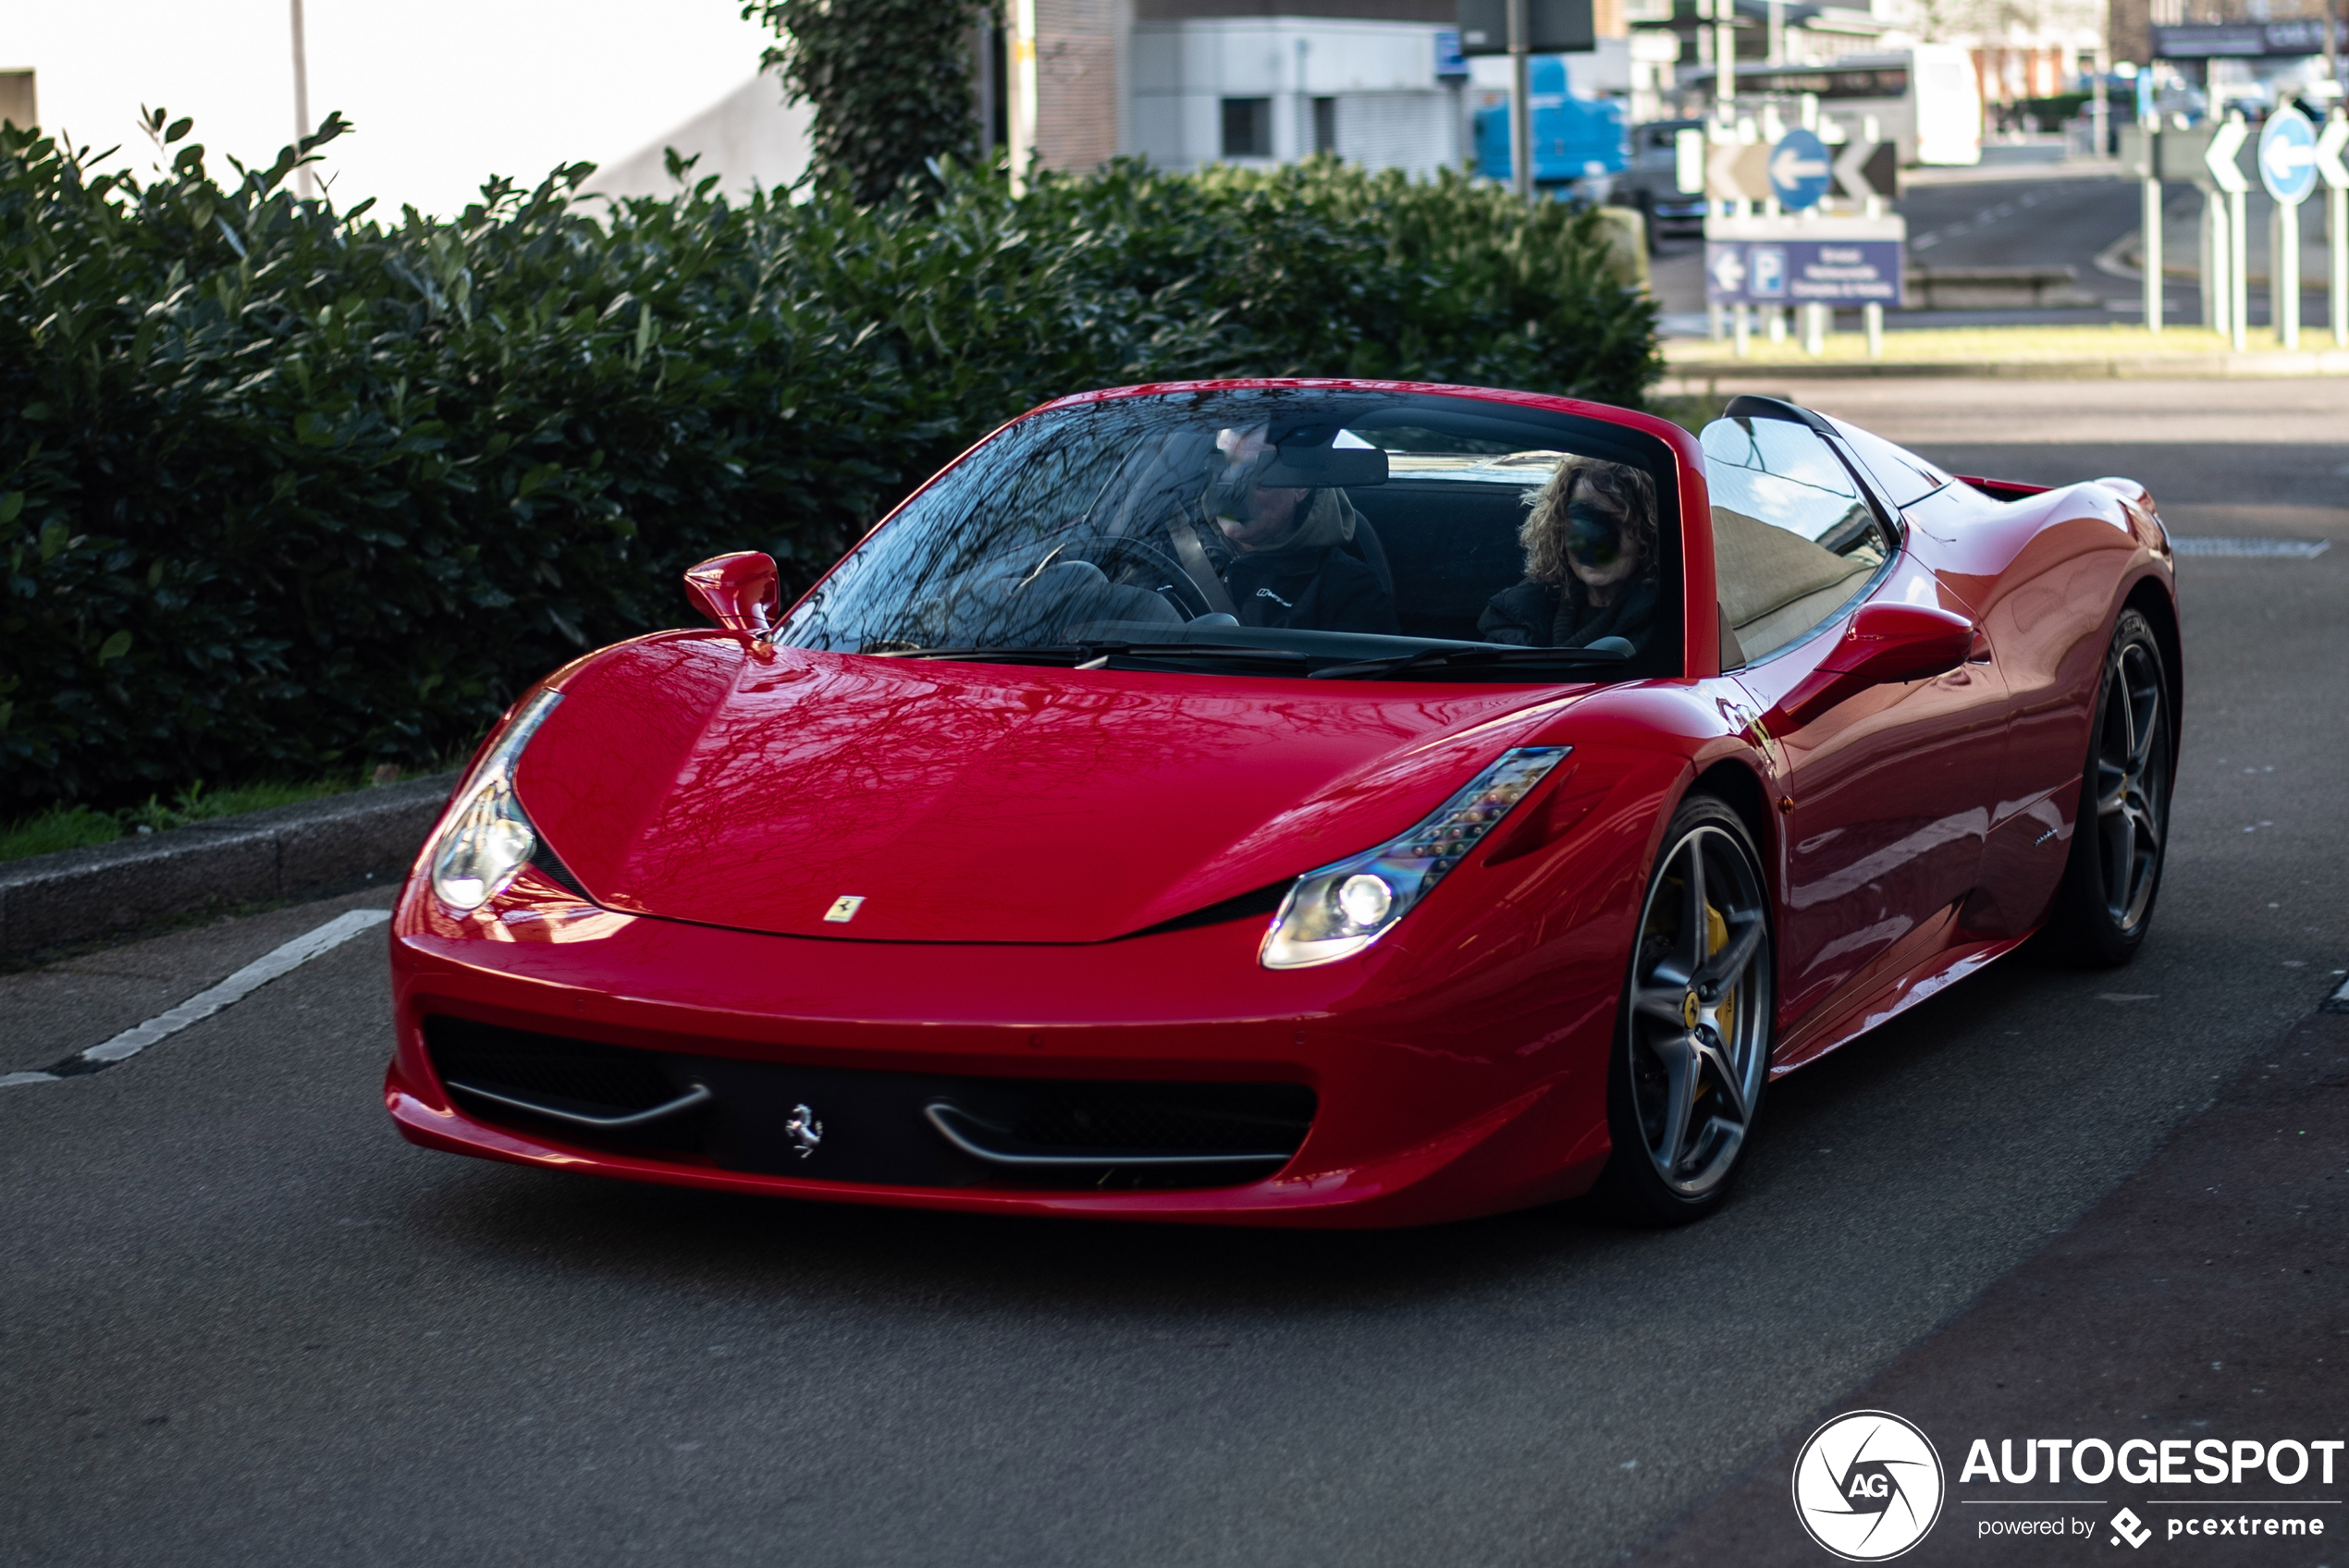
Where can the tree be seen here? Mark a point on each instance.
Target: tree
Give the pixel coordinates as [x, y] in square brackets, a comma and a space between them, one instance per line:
[890, 79]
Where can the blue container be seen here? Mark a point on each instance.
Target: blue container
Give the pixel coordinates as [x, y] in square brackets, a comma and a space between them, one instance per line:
[1573, 137]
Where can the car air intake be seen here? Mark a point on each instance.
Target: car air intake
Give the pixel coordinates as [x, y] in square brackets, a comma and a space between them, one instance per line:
[844, 1124]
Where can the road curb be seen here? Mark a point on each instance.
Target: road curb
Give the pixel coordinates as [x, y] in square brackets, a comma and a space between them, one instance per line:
[74, 894]
[2181, 367]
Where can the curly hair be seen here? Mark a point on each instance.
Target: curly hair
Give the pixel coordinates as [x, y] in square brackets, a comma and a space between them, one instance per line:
[1628, 492]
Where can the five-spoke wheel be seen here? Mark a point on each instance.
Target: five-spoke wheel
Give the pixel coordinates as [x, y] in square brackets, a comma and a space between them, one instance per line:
[2122, 829]
[1694, 1056]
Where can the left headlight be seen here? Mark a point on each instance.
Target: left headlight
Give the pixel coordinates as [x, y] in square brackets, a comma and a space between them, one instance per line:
[489, 839]
[1336, 911]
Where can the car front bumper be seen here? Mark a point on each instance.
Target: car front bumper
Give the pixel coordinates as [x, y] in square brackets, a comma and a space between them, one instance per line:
[1430, 1101]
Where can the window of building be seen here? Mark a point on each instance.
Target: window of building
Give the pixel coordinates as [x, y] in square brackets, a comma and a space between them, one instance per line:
[1247, 128]
[1325, 124]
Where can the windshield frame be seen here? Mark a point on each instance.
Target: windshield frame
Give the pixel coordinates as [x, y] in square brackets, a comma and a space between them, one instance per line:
[1685, 644]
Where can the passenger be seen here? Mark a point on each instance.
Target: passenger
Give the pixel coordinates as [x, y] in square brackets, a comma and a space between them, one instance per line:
[1291, 566]
[1591, 559]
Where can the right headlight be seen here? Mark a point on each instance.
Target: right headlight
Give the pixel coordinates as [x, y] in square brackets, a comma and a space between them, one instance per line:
[1336, 911]
[488, 840]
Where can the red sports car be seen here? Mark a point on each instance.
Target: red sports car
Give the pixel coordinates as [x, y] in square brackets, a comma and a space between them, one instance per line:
[1317, 803]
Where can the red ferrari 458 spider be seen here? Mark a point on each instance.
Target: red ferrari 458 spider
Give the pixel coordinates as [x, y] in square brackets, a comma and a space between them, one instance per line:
[1297, 802]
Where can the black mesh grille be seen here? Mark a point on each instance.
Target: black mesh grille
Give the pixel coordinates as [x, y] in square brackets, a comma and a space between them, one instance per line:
[580, 1074]
[1168, 1119]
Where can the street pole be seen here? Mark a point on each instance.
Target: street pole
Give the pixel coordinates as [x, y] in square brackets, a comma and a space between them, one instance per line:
[1520, 101]
[2101, 107]
[1020, 87]
[2149, 221]
[302, 104]
[2284, 276]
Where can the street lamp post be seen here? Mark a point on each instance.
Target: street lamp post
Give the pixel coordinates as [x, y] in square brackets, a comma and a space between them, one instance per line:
[1521, 101]
[302, 104]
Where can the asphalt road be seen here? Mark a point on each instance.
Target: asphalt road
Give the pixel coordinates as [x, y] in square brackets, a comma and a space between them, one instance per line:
[239, 1321]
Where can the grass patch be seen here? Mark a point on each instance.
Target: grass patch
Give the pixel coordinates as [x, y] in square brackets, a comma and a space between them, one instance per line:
[59, 828]
[1994, 345]
[79, 826]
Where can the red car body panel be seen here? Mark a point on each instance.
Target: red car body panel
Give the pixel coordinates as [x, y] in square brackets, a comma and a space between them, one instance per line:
[1019, 830]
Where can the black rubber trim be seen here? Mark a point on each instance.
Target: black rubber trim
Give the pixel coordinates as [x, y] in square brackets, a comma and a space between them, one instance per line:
[1262, 901]
[551, 866]
[1753, 404]
[969, 1133]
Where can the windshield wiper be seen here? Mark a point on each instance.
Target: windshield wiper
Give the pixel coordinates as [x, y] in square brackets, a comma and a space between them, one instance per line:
[1096, 655]
[1607, 650]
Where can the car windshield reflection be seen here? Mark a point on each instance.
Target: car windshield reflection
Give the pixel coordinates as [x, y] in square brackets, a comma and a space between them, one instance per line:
[1287, 530]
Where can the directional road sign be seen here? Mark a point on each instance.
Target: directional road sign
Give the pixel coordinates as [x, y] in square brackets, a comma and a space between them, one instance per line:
[2330, 168]
[1810, 261]
[2288, 156]
[1738, 172]
[1868, 168]
[2225, 142]
[1799, 169]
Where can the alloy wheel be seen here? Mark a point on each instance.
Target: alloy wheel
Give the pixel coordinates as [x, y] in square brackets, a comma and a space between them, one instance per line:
[2132, 793]
[1701, 1008]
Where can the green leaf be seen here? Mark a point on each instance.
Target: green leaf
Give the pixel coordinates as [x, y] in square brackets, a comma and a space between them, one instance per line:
[11, 505]
[114, 647]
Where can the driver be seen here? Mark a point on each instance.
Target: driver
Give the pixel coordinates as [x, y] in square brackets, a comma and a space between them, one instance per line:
[1590, 562]
[1290, 566]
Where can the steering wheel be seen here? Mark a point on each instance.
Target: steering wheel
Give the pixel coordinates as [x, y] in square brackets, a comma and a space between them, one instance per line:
[1159, 571]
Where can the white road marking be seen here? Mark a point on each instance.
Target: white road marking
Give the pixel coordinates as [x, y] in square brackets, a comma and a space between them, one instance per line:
[277, 960]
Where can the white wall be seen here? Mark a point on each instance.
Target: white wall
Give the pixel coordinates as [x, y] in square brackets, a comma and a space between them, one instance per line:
[1392, 112]
[746, 138]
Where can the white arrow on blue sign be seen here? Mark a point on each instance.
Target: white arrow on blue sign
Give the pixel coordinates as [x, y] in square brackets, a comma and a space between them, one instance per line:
[2288, 156]
[1799, 169]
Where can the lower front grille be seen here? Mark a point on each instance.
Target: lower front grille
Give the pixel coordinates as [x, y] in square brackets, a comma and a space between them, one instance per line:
[841, 1124]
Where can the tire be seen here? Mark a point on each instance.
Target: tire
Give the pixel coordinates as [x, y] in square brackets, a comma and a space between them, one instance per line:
[2121, 834]
[1691, 1055]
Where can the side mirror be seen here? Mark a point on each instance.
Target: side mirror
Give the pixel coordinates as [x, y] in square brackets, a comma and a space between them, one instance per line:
[740, 592]
[1883, 644]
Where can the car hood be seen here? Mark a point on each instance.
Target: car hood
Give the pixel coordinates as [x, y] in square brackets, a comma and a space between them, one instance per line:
[686, 777]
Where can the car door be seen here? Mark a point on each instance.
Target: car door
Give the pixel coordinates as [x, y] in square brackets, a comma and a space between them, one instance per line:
[1884, 796]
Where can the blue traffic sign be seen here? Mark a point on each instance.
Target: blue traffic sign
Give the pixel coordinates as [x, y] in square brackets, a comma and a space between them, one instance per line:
[2288, 156]
[1804, 271]
[1800, 170]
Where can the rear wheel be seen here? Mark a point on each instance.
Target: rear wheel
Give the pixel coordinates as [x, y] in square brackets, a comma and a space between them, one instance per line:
[2121, 833]
[1692, 1054]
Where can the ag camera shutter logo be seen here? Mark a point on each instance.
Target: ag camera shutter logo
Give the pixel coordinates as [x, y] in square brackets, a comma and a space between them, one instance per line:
[1868, 1486]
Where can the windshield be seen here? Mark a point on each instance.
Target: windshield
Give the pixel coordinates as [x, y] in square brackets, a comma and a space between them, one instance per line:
[1314, 532]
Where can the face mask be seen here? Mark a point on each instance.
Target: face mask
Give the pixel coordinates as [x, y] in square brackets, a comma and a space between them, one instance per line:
[1594, 536]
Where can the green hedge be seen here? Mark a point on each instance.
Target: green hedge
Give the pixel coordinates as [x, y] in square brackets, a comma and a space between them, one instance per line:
[285, 490]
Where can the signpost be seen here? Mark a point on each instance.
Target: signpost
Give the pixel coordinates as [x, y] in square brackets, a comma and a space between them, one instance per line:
[1522, 28]
[1790, 253]
[2229, 258]
[2330, 169]
[2288, 169]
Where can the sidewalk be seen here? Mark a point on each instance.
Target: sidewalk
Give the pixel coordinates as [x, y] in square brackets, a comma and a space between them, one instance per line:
[2070, 354]
[2207, 1296]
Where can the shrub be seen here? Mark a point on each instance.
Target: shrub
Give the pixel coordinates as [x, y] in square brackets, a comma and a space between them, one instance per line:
[889, 80]
[285, 490]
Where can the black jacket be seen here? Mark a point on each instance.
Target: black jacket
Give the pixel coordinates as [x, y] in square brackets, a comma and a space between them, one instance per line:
[1534, 615]
[1319, 590]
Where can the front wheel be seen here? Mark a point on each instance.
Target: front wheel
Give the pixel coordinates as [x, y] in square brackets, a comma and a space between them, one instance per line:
[2121, 833]
[1692, 1053]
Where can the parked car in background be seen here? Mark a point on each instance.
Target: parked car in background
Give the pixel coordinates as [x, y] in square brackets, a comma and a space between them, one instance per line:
[1650, 180]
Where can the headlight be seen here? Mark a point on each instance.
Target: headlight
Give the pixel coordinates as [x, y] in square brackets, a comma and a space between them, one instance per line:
[1336, 911]
[489, 839]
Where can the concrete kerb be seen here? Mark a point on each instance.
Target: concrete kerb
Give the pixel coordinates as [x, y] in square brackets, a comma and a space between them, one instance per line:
[75, 894]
